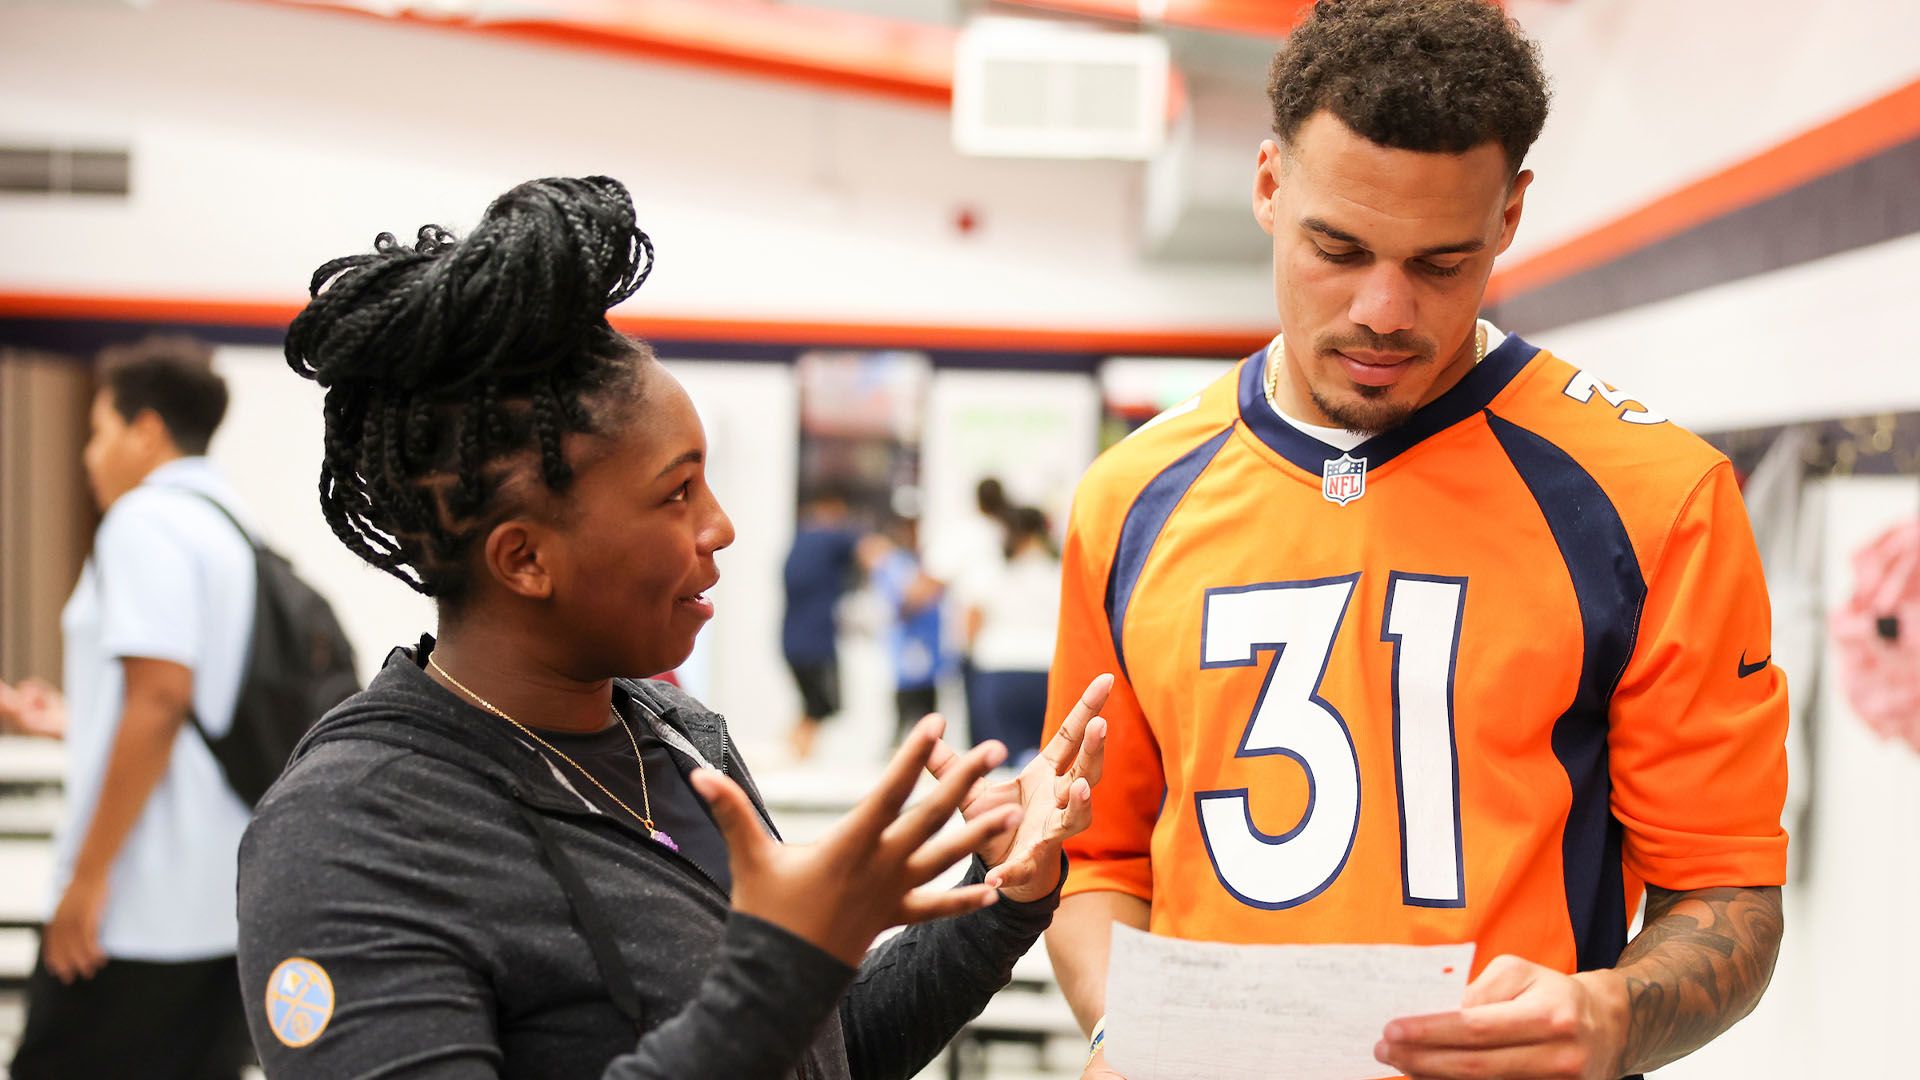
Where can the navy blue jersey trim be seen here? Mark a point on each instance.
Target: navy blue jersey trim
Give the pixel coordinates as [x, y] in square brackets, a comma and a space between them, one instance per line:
[1611, 592]
[1145, 518]
[1468, 396]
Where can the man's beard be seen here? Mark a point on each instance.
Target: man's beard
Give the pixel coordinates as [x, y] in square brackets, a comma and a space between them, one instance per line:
[1373, 411]
[1370, 414]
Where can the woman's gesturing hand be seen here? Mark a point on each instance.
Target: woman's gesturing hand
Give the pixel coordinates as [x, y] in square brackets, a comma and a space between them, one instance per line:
[865, 874]
[1053, 794]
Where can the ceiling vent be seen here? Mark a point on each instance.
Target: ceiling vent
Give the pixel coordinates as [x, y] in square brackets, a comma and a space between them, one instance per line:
[1025, 88]
[62, 170]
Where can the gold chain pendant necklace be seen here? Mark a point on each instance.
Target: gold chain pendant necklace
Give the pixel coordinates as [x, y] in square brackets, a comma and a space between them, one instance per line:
[1278, 360]
[646, 797]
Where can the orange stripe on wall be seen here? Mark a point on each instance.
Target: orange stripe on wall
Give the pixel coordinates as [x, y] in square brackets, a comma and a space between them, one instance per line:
[1254, 18]
[917, 84]
[1259, 18]
[1178, 341]
[838, 50]
[1883, 123]
[248, 313]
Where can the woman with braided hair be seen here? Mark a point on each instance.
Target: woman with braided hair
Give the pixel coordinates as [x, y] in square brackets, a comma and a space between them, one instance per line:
[513, 855]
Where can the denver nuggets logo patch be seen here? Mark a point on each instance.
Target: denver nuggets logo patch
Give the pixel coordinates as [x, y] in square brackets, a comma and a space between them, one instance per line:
[1343, 479]
[299, 1001]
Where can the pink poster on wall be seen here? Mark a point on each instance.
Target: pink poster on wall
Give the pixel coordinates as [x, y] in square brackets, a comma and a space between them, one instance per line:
[1876, 635]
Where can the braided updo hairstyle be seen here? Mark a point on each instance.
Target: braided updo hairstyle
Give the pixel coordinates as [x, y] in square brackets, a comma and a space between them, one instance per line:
[454, 368]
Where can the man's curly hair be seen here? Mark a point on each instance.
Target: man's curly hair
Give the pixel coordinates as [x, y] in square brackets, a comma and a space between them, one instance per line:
[1437, 76]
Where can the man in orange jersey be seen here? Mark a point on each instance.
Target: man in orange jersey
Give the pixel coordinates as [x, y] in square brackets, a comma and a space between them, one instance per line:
[1423, 634]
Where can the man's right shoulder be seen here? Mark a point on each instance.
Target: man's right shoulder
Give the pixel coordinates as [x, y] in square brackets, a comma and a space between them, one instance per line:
[1118, 476]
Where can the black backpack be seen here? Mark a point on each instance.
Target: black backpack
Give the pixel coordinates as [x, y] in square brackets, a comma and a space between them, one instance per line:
[299, 665]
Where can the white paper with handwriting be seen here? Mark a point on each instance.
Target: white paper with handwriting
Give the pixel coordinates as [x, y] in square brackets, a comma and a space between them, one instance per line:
[1203, 1010]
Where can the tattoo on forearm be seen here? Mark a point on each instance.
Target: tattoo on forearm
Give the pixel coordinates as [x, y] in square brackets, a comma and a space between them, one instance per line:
[1698, 965]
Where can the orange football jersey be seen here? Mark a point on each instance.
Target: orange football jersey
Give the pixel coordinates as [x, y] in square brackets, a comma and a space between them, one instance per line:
[1476, 679]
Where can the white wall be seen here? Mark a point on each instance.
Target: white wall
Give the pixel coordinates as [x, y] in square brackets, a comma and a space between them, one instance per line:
[1828, 338]
[267, 140]
[1856, 980]
[1650, 95]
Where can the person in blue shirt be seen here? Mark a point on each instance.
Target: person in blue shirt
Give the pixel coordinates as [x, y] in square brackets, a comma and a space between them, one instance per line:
[819, 565]
[913, 599]
[136, 973]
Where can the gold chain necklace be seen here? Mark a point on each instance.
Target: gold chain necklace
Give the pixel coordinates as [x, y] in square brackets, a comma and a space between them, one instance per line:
[1279, 357]
[646, 797]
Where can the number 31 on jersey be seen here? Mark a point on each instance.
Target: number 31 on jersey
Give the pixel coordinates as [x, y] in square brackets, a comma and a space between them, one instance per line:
[1297, 622]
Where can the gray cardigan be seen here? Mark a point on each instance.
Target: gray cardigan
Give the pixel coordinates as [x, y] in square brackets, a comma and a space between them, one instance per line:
[400, 853]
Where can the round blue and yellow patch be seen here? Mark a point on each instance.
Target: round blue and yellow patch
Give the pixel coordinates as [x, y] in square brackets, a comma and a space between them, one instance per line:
[299, 1001]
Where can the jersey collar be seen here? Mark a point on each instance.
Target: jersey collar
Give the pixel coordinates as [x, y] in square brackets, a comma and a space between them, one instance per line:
[1471, 394]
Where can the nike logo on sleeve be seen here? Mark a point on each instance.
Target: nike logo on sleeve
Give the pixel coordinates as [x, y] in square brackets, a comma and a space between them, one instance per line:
[1747, 669]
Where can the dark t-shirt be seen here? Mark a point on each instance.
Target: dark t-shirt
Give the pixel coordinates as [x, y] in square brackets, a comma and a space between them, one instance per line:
[678, 810]
[816, 574]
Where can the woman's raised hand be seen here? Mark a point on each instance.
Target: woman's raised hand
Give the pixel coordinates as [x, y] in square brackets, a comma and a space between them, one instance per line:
[1053, 795]
[866, 874]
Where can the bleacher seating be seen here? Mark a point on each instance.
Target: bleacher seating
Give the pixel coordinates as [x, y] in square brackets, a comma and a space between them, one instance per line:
[31, 771]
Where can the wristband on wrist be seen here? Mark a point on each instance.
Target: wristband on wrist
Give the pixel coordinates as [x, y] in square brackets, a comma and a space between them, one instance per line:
[1099, 1036]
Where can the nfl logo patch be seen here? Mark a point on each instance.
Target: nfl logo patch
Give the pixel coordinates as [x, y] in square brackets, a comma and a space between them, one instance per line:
[1343, 479]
